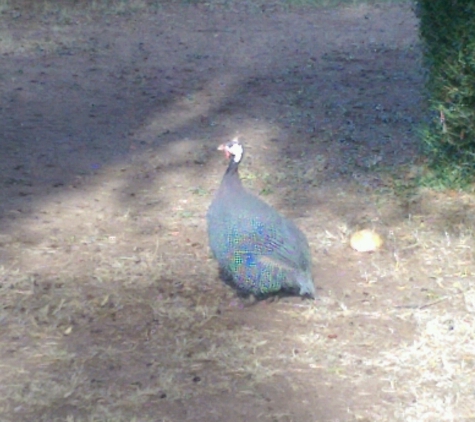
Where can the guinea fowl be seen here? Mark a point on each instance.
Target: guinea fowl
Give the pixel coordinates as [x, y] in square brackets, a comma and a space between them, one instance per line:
[259, 252]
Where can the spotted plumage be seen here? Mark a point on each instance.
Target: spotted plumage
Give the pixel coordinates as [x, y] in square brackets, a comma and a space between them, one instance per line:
[259, 252]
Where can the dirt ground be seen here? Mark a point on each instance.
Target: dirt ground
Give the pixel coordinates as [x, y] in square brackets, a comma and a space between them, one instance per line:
[110, 304]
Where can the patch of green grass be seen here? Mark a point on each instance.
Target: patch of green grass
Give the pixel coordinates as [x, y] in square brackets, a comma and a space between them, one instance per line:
[447, 166]
[199, 191]
[441, 176]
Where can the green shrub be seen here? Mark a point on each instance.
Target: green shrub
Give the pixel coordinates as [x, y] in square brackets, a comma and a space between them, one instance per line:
[447, 30]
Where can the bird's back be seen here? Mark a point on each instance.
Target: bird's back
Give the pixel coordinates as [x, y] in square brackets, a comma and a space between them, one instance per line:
[262, 251]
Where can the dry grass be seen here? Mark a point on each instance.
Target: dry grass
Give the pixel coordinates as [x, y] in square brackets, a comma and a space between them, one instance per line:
[131, 320]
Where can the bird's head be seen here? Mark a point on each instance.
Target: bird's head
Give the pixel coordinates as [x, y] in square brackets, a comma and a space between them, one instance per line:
[233, 149]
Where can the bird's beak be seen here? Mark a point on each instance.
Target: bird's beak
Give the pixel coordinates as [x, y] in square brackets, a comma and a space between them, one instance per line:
[223, 148]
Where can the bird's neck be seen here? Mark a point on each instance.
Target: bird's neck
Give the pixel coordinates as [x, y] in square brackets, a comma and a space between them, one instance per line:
[232, 174]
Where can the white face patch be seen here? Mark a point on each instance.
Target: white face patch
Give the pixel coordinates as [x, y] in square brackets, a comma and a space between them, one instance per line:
[236, 151]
